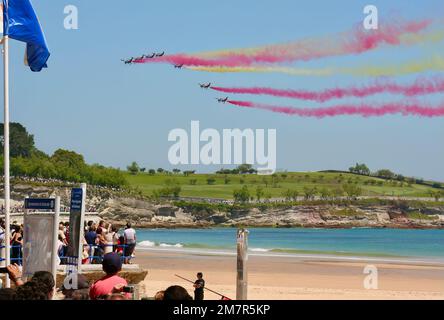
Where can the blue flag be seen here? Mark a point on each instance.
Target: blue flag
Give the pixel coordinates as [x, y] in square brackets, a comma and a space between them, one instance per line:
[21, 23]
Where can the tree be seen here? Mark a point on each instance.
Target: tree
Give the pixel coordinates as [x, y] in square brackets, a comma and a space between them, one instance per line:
[259, 193]
[176, 171]
[246, 168]
[309, 193]
[142, 169]
[151, 172]
[160, 170]
[385, 174]
[291, 195]
[325, 193]
[227, 179]
[274, 180]
[360, 169]
[241, 195]
[133, 168]
[351, 190]
[437, 195]
[21, 143]
[188, 172]
[211, 181]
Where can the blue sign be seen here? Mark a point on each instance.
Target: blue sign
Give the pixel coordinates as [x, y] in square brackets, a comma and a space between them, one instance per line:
[39, 204]
[76, 199]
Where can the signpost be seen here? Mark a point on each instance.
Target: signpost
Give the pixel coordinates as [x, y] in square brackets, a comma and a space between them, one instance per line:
[76, 222]
[39, 204]
[41, 236]
[242, 271]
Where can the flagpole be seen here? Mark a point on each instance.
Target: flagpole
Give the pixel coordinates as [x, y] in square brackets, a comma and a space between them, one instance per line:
[6, 154]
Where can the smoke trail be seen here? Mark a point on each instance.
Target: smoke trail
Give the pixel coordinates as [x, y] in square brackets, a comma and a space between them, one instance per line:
[291, 71]
[411, 67]
[352, 42]
[365, 110]
[419, 87]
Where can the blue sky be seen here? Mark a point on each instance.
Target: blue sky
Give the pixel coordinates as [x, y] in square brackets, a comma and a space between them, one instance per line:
[88, 101]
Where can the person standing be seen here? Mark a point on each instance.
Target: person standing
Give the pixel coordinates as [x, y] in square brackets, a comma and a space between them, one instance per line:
[2, 238]
[199, 286]
[130, 242]
[109, 237]
[16, 245]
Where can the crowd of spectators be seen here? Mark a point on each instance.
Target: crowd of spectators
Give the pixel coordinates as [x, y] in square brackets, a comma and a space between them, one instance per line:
[99, 239]
[103, 238]
[111, 286]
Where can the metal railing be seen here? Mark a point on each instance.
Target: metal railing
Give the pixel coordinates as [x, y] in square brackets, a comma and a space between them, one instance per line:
[92, 250]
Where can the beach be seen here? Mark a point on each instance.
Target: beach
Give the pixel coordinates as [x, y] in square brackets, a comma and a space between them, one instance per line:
[292, 277]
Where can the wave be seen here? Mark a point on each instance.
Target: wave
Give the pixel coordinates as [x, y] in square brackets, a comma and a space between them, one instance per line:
[259, 250]
[151, 244]
[146, 243]
[167, 245]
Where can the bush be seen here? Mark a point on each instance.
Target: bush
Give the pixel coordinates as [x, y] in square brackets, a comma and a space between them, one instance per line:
[241, 195]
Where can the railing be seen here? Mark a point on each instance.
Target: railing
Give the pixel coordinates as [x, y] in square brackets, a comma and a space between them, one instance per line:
[91, 251]
[18, 260]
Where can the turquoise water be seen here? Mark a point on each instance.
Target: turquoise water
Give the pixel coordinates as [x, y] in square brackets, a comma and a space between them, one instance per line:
[353, 242]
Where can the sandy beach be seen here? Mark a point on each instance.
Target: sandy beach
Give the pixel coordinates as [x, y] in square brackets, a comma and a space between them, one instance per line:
[293, 278]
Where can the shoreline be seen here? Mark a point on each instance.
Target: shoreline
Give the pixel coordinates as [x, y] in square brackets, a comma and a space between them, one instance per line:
[266, 226]
[431, 261]
[293, 278]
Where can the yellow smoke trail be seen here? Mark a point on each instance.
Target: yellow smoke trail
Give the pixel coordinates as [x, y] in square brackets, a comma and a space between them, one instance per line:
[433, 64]
[432, 36]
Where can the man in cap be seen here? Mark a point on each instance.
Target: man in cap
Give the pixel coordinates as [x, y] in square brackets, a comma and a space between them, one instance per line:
[111, 265]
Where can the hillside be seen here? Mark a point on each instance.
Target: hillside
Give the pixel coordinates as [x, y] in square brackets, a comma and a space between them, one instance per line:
[277, 186]
[120, 206]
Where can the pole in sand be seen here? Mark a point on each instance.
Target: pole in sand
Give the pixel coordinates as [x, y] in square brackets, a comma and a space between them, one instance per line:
[242, 258]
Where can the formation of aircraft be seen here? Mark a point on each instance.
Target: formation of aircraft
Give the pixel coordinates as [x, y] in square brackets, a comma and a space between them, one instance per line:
[178, 66]
[143, 56]
[128, 61]
[222, 100]
[205, 86]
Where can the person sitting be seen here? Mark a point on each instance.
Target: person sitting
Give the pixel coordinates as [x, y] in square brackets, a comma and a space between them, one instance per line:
[111, 265]
[159, 295]
[47, 279]
[40, 287]
[176, 293]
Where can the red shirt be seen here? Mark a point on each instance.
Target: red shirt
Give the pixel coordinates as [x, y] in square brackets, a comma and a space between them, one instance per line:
[104, 286]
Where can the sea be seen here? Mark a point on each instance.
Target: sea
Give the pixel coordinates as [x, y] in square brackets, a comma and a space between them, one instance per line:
[355, 242]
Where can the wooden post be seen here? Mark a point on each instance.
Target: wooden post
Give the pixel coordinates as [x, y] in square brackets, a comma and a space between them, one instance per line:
[242, 258]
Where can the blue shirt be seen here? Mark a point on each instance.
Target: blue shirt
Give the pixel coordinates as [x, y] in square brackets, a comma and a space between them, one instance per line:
[90, 237]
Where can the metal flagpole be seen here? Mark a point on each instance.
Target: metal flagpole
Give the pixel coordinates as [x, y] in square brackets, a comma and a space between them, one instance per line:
[6, 153]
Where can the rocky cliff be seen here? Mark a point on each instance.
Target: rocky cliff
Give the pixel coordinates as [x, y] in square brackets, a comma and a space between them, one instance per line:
[117, 208]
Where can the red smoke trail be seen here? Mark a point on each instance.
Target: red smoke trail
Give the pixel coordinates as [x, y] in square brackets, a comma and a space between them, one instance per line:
[365, 110]
[419, 87]
[352, 42]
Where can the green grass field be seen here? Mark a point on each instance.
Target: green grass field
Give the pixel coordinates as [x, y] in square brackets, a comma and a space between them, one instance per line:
[196, 185]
